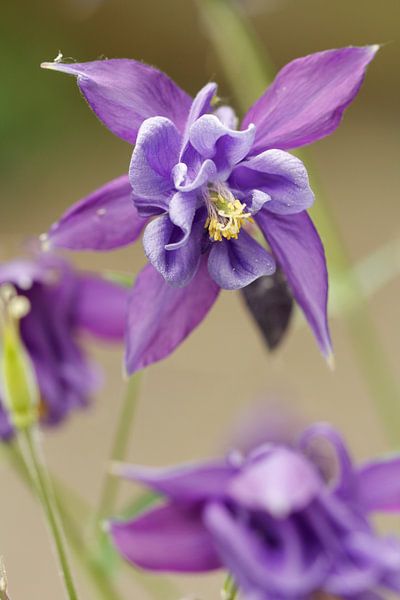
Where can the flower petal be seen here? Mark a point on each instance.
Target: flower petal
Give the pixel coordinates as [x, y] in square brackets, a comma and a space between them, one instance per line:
[176, 262]
[234, 264]
[160, 317]
[200, 106]
[298, 250]
[345, 479]
[169, 538]
[104, 220]
[155, 154]
[123, 93]
[213, 140]
[280, 175]
[379, 484]
[308, 97]
[101, 307]
[186, 181]
[281, 483]
[187, 483]
[182, 210]
[284, 568]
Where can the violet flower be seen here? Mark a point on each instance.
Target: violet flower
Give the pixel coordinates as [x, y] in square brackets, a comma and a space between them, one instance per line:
[276, 521]
[63, 304]
[202, 187]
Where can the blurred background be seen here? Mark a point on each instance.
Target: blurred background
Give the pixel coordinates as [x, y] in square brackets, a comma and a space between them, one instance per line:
[53, 151]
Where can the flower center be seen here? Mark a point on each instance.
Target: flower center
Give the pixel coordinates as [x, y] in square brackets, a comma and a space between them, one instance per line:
[226, 215]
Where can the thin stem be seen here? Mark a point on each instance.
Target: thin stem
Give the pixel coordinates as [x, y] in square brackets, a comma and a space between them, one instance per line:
[240, 40]
[230, 589]
[119, 449]
[99, 579]
[35, 463]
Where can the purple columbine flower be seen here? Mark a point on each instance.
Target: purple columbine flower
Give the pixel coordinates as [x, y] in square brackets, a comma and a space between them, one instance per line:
[202, 188]
[284, 524]
[63, 304]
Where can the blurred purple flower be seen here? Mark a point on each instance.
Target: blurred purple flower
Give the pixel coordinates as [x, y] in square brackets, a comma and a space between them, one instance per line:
[274, 521]
[64, 303]
[203, 183]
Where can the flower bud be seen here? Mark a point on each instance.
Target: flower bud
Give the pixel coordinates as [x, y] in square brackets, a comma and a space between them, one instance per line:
[16, 371]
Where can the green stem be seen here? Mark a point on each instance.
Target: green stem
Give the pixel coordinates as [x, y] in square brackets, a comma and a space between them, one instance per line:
[99, 579]
[31, 452]
[229, 589]
[235, 41]
[119, 449]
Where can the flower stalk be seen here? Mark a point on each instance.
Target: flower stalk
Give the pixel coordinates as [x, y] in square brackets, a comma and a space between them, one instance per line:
[240, 40]
[122, 435]
[30, 447]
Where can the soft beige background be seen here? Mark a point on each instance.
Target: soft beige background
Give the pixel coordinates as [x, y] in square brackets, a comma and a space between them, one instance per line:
[53, 151]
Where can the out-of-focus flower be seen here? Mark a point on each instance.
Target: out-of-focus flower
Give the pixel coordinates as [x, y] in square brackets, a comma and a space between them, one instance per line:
[202, 187]
[63, 303]
[282, 529]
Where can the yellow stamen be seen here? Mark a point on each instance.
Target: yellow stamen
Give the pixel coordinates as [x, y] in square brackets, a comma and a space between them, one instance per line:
[226, 216]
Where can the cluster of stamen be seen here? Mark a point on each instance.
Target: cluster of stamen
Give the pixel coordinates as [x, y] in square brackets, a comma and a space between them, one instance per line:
[226, 216]
[12, 306]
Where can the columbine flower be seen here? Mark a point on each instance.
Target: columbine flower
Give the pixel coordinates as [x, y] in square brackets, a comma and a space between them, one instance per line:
[202, 188]
[282, 526]
[63, 304]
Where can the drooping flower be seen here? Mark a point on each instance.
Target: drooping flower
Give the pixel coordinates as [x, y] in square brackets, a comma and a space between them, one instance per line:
[63, 304]
[284, 525]
[204, 189]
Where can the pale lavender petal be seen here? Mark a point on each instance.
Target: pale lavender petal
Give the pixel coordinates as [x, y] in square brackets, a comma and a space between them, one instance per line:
[308, 97]
[123, 93]
[160, 317]
[233, 264]
[186, 182]
[280, 175]
[200, 106]
[104, 220]
[101, 307]
[155, 154]
[182, 210]
[281, 483]
[177, 264]
[166, 539]
[188, 483]
[379, 485]
[298, 250]
[213, 140]
[227, 116]
[22, 273]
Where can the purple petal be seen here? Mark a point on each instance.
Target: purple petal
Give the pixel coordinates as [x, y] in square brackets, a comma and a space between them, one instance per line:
[281, 483]
[175, 261]
[160, 317]
[233, 264]
[101, 307]
[123, 93]
[379, 485]
[298, 250]
[155, 154]
[213, 140]
[280, 175]
[308, 97]
[281, 569]
[104, 220]
[169, 538]
[188, 483]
